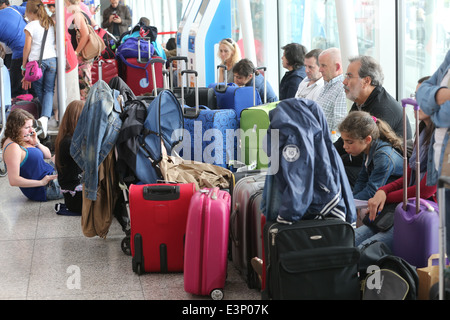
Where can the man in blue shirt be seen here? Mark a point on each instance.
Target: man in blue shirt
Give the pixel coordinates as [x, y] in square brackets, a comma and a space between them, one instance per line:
[12, 24]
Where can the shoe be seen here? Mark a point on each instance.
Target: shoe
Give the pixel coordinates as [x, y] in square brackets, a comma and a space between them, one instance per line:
[42, 122]
[52, 123]
[257, 265]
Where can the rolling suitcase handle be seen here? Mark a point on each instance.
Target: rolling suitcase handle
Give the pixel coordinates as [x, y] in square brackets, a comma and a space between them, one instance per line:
[443, 183]
[219, 87]
[414, 103]
[161, 193]
[254, 85]
[171, 60]
[139, 49]
[152, 62]
[2, 100]
[100, 71]
[187, 112]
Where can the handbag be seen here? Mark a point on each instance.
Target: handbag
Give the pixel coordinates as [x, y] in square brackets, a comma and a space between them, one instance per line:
[384, 220]
[94, 46]
[33, 70]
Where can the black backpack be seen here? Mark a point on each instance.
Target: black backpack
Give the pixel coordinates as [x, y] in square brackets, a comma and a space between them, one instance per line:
[399, 280]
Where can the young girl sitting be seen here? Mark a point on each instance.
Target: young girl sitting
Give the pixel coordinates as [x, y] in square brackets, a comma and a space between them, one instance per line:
[68, 171]
[374, 138]
[24, 159]
[387, 198]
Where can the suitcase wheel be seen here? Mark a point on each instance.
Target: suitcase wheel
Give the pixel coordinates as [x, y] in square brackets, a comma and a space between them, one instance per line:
[217, 294]
[125, 245]
[138, 268]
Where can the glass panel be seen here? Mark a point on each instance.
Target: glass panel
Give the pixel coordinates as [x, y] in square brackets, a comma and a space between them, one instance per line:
[311, 23]
[426, 39]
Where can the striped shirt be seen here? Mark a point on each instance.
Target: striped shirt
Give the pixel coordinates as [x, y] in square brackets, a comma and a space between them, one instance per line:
[333, 101]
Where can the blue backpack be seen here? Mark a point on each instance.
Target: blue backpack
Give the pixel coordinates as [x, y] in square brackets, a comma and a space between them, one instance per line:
[143, 128]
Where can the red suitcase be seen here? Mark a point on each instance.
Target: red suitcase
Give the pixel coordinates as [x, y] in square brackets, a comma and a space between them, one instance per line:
[108, 70]
[138, 75]
[158, 216]
[206, 247]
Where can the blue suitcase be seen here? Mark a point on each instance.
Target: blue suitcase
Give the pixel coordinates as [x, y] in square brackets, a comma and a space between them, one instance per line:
[211, 134]
[231, 96]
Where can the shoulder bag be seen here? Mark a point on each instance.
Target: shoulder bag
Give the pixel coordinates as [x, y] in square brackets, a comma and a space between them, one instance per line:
[33, 70]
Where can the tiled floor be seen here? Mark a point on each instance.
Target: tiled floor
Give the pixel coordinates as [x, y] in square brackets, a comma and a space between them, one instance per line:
[44, 256]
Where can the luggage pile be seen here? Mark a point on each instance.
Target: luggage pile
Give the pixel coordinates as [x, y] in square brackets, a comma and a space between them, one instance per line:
[190, 207]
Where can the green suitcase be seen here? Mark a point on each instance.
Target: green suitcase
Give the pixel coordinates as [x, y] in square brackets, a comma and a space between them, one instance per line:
[254, 124]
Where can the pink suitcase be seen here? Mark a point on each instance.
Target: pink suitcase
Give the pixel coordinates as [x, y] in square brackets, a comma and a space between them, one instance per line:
[206, 244]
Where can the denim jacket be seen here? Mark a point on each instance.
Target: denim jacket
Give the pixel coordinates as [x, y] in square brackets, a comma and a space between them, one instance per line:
[440, 114]
[96, 134]
[384, 165]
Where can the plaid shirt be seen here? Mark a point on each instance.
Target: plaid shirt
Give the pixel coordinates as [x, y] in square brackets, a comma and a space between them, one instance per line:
[333, 101]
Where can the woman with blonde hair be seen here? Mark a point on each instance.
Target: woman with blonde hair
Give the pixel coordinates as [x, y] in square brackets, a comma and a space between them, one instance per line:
[68, 171]
[77, 23]
[40, 22]
[230, 54]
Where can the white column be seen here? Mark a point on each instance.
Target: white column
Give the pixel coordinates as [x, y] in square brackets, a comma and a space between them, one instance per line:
[347, 30]
[61, 52]
[248, 37]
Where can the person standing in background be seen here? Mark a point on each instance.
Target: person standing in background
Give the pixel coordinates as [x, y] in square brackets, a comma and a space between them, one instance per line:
[116, 18]
[12, 24]
[433, 97]
[293, 60]
[40, 21]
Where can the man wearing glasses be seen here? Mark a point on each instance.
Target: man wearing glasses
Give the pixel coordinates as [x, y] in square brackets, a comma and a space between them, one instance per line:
[363, 84]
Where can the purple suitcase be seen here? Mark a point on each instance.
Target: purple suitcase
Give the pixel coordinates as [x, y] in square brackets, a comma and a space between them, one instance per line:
[416, 221]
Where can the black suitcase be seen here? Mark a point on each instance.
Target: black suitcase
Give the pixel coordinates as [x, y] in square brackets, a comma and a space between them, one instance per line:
[311, 260]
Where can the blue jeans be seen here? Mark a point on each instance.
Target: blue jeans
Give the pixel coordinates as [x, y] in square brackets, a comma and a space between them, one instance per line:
[365, 235]
[45, 86]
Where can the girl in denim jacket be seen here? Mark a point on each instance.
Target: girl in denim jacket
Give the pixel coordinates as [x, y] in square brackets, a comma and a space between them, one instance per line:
[380, 146]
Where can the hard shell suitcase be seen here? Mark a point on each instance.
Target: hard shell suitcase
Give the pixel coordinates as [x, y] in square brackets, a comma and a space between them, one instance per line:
[311, 259]
[31, 106]
[138, 71]
[416, 221]
[254, 124]
[242, 223]
[158, 216]
[104, 69]
[210, 134]
[205, 262]
[231, 96]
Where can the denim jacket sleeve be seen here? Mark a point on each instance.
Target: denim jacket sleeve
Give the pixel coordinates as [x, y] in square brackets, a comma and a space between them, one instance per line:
[426, 96]
[384, 164]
